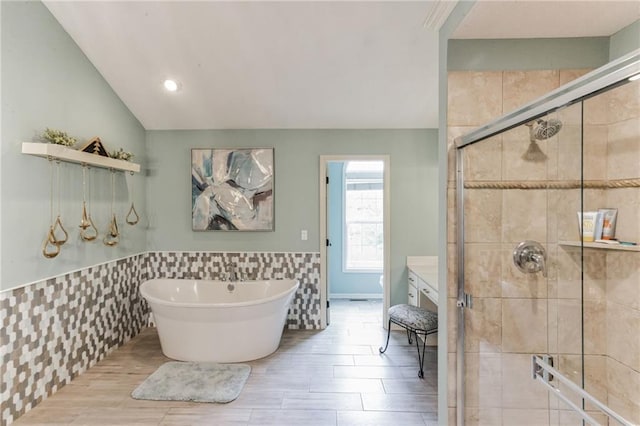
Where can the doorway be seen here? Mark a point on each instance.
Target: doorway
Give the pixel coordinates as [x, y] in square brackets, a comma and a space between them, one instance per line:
[354, 231]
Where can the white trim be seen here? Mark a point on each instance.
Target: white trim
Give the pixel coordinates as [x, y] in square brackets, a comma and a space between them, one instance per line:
[438, 13]
[231, 251]
[139, 254]
[360, 271]
[356, 296]
[324, 159]
[73, 271]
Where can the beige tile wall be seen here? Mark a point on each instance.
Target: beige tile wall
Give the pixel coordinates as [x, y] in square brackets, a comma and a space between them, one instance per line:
[622, 325]
[516, 315]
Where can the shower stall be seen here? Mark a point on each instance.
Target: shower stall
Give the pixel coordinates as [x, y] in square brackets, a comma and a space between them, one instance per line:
[548, 316]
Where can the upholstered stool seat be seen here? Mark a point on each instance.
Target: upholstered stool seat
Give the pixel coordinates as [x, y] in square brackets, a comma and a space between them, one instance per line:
[416, 321]
[413, 317]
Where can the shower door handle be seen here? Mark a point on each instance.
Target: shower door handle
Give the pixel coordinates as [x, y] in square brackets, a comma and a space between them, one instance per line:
[530, 257]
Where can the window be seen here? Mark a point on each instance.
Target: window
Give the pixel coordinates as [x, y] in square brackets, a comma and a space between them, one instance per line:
[363, 216]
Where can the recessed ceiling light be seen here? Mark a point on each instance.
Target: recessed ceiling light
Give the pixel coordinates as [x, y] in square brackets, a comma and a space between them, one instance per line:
[171, 85]
[635, 77]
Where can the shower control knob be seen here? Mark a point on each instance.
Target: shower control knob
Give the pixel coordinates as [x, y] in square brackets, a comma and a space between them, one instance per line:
[530, 257]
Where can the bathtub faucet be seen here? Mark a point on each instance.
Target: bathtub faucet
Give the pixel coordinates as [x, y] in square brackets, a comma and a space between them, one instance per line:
[232, 272]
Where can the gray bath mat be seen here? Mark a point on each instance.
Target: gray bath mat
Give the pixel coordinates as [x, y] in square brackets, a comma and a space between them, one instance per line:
[194, 381]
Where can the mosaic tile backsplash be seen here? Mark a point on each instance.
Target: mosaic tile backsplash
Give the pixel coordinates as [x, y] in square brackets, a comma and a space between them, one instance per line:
[304, 312]
[53, 330]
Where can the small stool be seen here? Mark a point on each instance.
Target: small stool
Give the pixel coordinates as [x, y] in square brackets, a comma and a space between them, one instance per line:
[417, 321]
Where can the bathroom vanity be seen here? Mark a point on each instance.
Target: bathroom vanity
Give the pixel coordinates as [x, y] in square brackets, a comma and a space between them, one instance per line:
[423, 281]
[422, 274]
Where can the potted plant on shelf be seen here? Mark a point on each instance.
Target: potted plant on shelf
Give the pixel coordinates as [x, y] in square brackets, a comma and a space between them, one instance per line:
[58, 137]
[121, 154]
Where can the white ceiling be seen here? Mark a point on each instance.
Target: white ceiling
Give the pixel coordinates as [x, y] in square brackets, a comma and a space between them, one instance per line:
[263, 64]
[491, 19]
[298, 64]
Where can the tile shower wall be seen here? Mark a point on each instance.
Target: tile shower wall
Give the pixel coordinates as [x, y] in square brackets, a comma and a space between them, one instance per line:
[621, 332]
[510, 314]
[53, 330]
[513, 317]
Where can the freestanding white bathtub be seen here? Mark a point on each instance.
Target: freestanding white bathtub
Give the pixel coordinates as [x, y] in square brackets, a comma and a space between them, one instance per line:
[204, 321]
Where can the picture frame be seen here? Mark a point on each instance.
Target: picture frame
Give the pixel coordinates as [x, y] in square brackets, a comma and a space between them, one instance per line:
[232, 189]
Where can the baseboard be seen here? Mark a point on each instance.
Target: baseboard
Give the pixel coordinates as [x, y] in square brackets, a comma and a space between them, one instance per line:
[355, 296]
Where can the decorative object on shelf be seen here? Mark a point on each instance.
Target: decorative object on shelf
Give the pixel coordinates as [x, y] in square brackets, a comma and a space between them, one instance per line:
[132, 217]
[232, 189]
[88, 232]
[51, 245]
[57, 235]
[94, 146]
[112, 236]
[58, 137]
[58, 224]
[121, 155]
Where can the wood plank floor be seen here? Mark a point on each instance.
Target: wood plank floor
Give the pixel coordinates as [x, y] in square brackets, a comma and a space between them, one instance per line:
[330, 377]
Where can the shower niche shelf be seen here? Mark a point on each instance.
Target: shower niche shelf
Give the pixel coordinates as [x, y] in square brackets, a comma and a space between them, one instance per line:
[59, 152]
[602, 246]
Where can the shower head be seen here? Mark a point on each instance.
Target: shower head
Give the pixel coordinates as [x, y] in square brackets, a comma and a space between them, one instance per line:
[540, 130]
[544, 129]
[534, 154]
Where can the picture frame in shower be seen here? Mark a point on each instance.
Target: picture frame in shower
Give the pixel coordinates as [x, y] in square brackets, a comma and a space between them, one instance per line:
[232, 189]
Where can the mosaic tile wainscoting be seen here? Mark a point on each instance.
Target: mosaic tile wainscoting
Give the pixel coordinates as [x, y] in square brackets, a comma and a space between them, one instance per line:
[53, 330]
[305, 267]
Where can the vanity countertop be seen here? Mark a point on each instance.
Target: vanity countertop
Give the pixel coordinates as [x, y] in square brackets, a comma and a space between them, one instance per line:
[426, 268]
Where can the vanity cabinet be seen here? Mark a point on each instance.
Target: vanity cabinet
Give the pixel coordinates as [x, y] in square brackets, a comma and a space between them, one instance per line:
[428, 291]
[422, 281]
[413, 289]
[420, 291]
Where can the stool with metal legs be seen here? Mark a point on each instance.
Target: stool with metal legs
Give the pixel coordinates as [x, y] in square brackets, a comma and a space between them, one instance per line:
[417, 322]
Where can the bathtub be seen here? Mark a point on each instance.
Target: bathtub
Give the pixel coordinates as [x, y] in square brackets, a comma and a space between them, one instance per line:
[202, 320]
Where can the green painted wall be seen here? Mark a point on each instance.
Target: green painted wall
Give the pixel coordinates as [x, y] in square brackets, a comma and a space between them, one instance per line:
[527, 54]
[625, 40]
[48, 82]
[414, 177]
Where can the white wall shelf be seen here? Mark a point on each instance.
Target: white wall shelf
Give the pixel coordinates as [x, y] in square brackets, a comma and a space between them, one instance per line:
[602, 246]
[62, 153]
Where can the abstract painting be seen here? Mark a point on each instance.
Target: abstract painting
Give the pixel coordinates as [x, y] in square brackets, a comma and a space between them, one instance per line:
[232, 189]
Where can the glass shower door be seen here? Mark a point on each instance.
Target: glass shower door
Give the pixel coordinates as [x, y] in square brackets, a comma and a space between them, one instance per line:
[565, 295]
[548, 317]
[552, 315]
[611, 272]
[522, 191]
